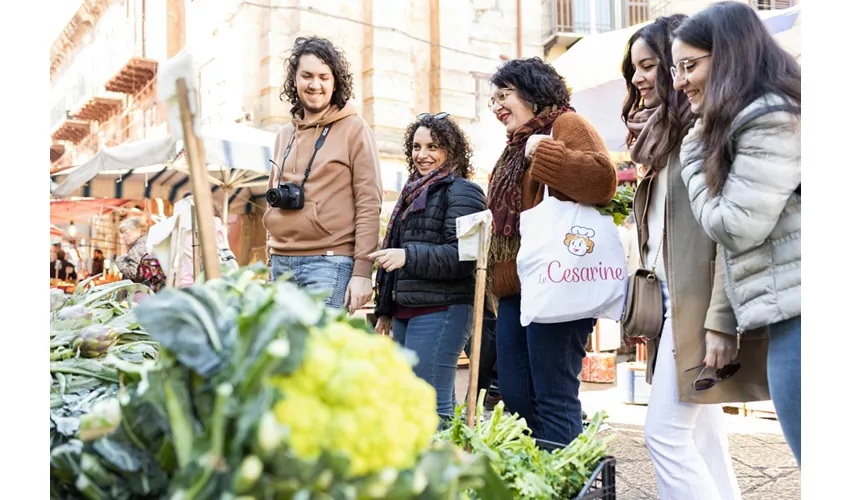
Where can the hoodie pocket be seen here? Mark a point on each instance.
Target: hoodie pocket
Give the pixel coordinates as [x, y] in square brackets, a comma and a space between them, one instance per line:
[314, 214]
[299, 228]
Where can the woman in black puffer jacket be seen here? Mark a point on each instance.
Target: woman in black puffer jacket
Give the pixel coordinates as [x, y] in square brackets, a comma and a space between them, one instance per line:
[424, 292]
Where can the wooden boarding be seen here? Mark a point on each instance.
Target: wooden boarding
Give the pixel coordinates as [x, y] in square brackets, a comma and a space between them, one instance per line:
[759, 409]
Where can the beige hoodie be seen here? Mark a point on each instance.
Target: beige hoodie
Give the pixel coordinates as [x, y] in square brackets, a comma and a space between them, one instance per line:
[342, 196]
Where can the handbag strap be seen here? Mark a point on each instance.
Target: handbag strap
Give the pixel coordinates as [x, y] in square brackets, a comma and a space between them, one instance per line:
[660, 246]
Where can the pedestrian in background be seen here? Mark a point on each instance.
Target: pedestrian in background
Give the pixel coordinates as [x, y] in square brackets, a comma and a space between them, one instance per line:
[136, 264]
[629, 239]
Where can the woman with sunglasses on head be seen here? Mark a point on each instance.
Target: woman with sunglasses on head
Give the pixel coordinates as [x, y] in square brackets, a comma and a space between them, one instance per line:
[424, 292]
[684, 429]
[548, 144]
[741, 166]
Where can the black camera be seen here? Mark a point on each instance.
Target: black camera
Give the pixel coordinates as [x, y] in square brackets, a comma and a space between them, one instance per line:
[290, 196]
[287, 196]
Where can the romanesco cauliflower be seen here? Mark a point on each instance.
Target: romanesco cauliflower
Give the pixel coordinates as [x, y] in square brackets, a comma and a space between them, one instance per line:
[356, 394]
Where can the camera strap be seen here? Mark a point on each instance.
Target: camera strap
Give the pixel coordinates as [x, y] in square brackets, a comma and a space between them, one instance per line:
[319, 143]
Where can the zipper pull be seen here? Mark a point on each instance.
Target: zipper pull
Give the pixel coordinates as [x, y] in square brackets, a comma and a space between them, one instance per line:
[740, 331]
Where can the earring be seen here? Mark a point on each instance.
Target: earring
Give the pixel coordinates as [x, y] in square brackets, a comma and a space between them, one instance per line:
[535, 108]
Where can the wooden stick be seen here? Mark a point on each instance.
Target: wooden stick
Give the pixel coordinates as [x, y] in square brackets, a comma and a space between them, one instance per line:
[477, 325]
[200, 185]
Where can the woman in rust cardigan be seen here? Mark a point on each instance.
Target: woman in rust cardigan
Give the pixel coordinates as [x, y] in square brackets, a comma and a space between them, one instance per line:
[547, 144]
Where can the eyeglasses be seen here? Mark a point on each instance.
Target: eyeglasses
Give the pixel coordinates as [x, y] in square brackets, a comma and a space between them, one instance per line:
[681, 67]
[702, 384]
[500, 98]
[438, 116]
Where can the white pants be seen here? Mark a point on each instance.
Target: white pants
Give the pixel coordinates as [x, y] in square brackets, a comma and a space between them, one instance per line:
[687, 442]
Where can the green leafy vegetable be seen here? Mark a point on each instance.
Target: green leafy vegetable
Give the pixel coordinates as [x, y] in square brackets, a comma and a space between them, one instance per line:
[620, 207]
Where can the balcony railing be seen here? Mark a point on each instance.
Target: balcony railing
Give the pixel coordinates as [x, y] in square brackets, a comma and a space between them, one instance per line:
[141, 121]
[772, 4]
[581, 17]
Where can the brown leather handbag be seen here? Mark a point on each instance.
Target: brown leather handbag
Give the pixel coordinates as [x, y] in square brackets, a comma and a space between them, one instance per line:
[643, 315]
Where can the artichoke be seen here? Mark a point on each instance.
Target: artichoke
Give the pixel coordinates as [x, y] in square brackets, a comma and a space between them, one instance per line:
[74, 312]
[57, 299]
[93, 341]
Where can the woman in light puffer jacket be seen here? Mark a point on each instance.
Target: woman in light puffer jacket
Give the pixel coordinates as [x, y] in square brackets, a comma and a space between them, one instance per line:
[741, 165]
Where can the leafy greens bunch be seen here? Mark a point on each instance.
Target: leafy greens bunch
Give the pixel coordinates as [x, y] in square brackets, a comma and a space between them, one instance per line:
[531, 473]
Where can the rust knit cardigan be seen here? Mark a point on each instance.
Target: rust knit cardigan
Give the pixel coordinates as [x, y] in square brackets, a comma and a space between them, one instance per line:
[576, 166]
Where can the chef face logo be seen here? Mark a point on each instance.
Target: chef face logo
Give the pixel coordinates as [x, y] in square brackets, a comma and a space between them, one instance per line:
[579, 240]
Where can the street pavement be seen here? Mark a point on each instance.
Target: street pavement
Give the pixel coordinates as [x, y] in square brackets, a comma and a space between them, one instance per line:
[763, 462]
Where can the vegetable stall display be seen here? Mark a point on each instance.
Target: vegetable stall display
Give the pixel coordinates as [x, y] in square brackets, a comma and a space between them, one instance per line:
[259, 391]
[238, 388]
[91, 331]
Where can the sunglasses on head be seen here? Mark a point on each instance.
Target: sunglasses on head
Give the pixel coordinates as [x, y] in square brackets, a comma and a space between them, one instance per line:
[703, 383]
[438, 116]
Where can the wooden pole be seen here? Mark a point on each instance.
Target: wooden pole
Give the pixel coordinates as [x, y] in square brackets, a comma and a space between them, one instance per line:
[477, 325]
[225, 211]
[200, 185]
[175, 257]
[196, 253]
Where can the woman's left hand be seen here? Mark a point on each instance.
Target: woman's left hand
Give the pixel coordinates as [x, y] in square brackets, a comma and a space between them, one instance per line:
[389, 259]
[720, 349]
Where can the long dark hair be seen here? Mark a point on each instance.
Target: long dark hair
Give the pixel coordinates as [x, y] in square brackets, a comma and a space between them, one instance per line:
[334, 57]
[746, 63]
[657, 38]
[536, 81]
[449, 137]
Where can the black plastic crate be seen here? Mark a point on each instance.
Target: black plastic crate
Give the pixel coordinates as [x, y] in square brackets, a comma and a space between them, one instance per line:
[602, 484]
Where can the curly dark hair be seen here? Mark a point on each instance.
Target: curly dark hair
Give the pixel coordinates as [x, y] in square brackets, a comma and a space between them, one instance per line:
[449, 137]
[536, 81]
[332, 56]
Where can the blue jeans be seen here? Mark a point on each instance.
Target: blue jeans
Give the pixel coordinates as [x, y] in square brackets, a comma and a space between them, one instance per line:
[783, 376]
[437, 339]
[324, 274]
[539, 368]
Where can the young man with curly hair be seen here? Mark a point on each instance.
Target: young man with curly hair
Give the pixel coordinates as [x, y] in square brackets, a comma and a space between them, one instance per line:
[325, 192]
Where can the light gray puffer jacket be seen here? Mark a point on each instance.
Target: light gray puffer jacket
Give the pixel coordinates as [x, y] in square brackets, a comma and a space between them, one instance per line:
[756, 217]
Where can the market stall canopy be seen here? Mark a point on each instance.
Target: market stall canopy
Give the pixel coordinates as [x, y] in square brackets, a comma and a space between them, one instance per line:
[65, 211]
[237, 164]
[592, 69]
[126, 156]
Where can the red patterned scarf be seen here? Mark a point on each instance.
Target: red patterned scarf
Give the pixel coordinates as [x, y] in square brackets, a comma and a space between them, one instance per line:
[504, 197]
[417, 185]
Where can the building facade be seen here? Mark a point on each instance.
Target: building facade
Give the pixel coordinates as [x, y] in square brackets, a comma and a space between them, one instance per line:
[407, 56]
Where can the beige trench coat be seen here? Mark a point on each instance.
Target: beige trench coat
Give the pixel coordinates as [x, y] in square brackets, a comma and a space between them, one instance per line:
[699, 301]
